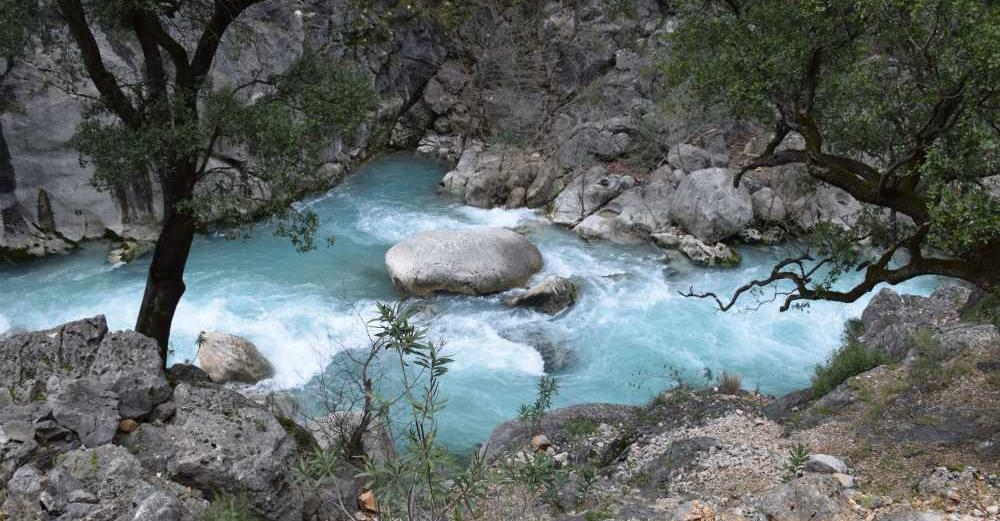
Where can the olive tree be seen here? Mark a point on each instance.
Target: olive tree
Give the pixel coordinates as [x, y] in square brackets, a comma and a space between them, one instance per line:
[201, 142]
[897, 102]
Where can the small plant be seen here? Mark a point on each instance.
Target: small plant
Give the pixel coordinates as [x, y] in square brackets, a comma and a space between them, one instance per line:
[929, 371]
[730, 383]
[229, 508]
[580, 427]
[317, 467]
[796, 462]
[532, 414]
[851, 359]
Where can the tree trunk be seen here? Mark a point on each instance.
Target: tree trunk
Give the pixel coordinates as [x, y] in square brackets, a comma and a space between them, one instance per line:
[165, 283]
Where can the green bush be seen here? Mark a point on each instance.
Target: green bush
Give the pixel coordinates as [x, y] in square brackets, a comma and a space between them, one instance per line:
[580, 427]
[229, 508]
[850, 359]
[929, 371]
[985, 310]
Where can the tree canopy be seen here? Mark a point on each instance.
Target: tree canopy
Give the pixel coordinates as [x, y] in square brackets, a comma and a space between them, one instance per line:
[897, 102]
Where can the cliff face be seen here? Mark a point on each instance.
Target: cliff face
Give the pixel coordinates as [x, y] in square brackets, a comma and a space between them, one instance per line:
[53, 191]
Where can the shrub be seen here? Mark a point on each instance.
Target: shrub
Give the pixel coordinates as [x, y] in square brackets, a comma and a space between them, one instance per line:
[850, 359]
[548, 388]
[730, 383]
[229, 508]
[317, 467]
[580, 427]
[929, 371]
[986, 310]
[796, 462]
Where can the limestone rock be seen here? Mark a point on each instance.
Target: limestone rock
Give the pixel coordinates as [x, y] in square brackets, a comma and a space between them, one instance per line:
[708, 206]
[690, 158]
[473, 261]
[230, 358]
[551, 295]
[768, 206]
[587, 193]
[825, 464]
[813, 497]
[633, 215]
[717, 255]
[220, 441]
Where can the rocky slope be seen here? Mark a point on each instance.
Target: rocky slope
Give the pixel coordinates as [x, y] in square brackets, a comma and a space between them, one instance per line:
[92, 428]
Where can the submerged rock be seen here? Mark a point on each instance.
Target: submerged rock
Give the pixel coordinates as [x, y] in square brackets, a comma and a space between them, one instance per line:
[229, 358]
[551, 295]
[475, 261]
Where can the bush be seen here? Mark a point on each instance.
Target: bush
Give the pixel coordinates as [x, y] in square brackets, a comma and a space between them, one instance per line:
[929, 371]
[580, 427]
[730, 383]
[229, 508]
[850, 359]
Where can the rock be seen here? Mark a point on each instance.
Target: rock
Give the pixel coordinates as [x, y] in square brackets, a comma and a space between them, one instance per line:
[85, 407]
[556, 357]
[913, 515]
[845, 480]
[694, 511]
[825, 464]
[813, 497]
[509, 436]
[768, 206]
[702, 254]
[540, 443]
[690, 158]
[127, 426]
[587, 193]
[229, 358]
[367, 502]
[551, 295]
[219, 441]
[472, 261]
[634, 215]
[105, 482]
[129, 251]
[708, 206]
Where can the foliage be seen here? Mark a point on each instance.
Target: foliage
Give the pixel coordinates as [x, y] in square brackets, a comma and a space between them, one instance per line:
[730, 383]
[580, 427]
[420, 483]
[532, 413]
[229, 508]
[896, 103]
[317, 467]
[985, 309]
[930, 370]
[535, 472]
[796, 462]
[850, 359]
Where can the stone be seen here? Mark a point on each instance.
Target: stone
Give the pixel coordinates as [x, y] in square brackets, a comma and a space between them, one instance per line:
[219, 441]
[230, 358]
[845, 480]
[86, 407]
[556, 357]
[690, 158]
[708, 206]
[825, 464]
[551, 295]
[367, 502]
[540, 443]
[812, 497]
[767, 206]
[129, 364]
[586, 194]
[632, 216]
[694, 511]
[127, 426]
[718, 255]
[474, 261]
[129, 251]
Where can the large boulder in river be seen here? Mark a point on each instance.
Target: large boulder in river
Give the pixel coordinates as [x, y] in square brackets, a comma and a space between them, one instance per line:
[474, 261]
[551, 295]
[708, 206]
[587, 193]
[229, 358]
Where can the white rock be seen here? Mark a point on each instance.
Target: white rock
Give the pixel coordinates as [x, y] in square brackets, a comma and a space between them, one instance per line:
[825, 464]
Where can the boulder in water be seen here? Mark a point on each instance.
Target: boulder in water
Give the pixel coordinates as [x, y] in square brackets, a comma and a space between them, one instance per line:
[551, 295]
[229, 358]
[475, 261]
[708, 206]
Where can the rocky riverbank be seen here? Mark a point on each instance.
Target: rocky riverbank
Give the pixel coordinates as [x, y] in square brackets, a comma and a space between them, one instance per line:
[92, 428]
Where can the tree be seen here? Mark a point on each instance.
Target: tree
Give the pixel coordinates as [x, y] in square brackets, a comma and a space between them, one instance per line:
[897, 102]
[195, 138]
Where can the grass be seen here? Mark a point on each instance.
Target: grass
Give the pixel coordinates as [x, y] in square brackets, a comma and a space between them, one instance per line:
[730, 383]
[229, 508]
[581, 427]
[986, 310]
[929, 370]
[851, 359]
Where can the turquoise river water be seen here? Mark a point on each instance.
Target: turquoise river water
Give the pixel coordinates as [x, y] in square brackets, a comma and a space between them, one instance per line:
[629, 326]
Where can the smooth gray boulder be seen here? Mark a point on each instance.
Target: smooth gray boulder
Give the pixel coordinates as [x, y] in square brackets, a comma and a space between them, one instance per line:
[475, 261]
[708, 206]
[85, 407]
[221, 441]
[768, 207]
[551, 295]
[690, 158]
[813, 497]
[587, 193]
[633, 215]
[825, 464]
[230, 358]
